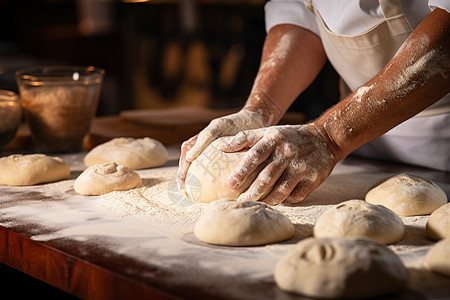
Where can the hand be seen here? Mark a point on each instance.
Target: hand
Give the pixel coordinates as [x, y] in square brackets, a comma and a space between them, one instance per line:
[224, 126]
[298, 159]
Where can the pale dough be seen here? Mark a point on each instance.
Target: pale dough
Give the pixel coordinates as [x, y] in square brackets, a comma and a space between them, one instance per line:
[206, 179]
[242, 223]
[407, 195]
[130, 152]
[32, 169]
[105, 178]
[438, 225]
[340, 268]
[357, 218]
[438, 257]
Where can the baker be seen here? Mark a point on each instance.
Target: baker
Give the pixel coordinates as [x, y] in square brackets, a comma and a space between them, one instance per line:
[394, 62]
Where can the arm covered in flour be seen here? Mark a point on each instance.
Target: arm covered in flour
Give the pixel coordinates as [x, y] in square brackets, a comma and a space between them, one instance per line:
[291, 59]
[299, 158]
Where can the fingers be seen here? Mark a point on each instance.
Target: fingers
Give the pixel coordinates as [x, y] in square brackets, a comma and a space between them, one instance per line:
[183, 164]
[243, 139]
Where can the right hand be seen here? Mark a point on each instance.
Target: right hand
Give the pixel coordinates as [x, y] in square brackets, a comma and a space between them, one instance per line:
[223, 126]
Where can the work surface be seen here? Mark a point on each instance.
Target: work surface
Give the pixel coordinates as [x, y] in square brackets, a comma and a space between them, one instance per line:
[139, 244]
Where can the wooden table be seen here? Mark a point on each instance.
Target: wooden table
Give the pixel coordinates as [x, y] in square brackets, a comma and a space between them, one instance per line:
[94, 265]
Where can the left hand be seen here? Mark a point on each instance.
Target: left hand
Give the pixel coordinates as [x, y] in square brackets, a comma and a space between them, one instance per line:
[297, 157]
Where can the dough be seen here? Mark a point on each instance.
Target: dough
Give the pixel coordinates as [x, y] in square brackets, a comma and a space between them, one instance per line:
[32, 169]
[438, 258]
[242, 223]
[407, 195]
[132, 153]
[340, 268]
[105, 178]
[206, 179]
[357, 218]
[438, 225]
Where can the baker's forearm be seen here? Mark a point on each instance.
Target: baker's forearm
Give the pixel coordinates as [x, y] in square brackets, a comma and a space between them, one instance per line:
[291, 59]
[416, 77]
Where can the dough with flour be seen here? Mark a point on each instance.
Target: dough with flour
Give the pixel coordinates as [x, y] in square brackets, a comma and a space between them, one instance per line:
[32, 169]
[357, 218]
[105, 178]
[340, 268]
[132, 153]
[242, 223]
[407, 195]
[206, 179]
[438, 257]
[438, 225]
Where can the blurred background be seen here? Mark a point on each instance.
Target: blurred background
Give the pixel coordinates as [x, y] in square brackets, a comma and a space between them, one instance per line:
[157, 54]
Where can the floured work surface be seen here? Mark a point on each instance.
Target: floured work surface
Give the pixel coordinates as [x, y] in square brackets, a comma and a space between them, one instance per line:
[141, 237]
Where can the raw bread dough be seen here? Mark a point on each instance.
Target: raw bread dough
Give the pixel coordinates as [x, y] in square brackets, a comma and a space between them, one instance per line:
[340, 268]
[242, 223]
[132, 153]
[357, 218]
[438, 257]
[438, 225]
[206, 179]
[407, 195]
[105, 178]
[32, 169]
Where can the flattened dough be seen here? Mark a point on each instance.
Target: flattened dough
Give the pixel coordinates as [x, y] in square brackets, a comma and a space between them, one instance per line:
[438, 225]
[407, 195]
[340, 268]
[32, 169]
[105, 178]
[438, 257]
[242, 223]
[357, 218]
[133, 153]
[206, 179]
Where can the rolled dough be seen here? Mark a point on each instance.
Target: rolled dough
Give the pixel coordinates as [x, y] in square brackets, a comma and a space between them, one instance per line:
[206, 179]
[438, 257]
[340, 268]
[438, 225]
[105, 178]
[242, 223]
[357, 218]
[32, 169]
[407, 195]
[133, 153]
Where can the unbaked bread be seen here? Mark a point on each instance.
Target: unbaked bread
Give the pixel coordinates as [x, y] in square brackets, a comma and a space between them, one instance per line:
[242, 223]
[438, 257]
[32, 169]
[438, 224]
[130, 152]
[105, 178]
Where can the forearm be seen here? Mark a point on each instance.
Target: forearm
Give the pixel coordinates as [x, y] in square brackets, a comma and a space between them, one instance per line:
[291, 59]
[416, 77]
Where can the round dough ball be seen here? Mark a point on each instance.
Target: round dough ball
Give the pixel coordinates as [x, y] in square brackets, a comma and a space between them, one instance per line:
[340, 268]
[105, 178]
[132, 153]
[438, 225]
[407, 195]
[206, 179]
[438, 258]
[242, 223]
[32, 169]
[357, 218]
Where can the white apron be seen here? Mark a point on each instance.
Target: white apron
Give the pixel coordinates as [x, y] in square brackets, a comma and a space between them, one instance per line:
[423, 140]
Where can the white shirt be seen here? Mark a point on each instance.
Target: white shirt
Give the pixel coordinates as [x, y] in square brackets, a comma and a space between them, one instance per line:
[347, 17]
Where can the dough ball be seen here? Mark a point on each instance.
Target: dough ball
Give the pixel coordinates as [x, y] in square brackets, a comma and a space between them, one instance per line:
[438, 258]
[242, 223]
[340, 268]
[438, 225]
[206, 179]
[132, 153]
[357, 218]
[407, 195]
[105, 178]
[32, 169]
